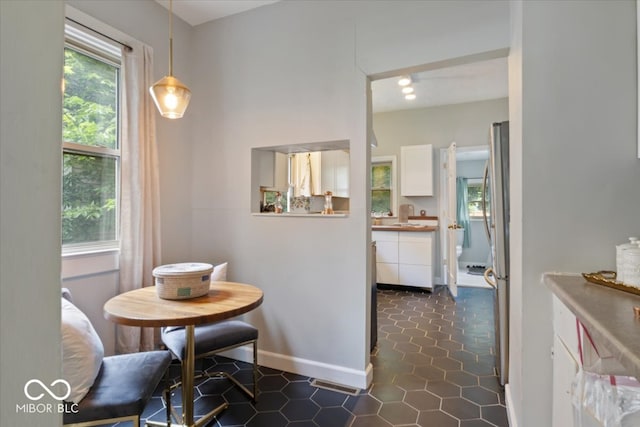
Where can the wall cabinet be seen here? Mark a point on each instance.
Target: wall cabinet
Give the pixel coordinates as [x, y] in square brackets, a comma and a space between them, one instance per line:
[270, 168]
[416, 170]
[281, 169]
[404, 258]
[263, 164]
[334, 172]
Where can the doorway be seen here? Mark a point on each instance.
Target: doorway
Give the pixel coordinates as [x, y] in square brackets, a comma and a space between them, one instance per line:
[473, 249]
[452, 110]
[442, 114]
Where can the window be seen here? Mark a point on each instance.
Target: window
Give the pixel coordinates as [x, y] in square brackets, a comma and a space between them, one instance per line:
[90, 142]
[474, 189]
[383, 193]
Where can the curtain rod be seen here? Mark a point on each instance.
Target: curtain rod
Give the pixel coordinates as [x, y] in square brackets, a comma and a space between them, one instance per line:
[126, 46]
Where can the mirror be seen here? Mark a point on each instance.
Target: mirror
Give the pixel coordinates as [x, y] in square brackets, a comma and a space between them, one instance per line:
[301, 172]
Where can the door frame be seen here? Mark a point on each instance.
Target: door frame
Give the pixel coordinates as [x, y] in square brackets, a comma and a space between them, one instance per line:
[442, 202]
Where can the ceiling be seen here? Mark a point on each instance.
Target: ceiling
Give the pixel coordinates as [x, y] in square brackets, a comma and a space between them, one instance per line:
[475, 81]
[196, 12]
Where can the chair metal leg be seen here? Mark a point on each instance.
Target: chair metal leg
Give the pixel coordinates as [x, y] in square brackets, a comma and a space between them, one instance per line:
[167, 400]
[187, 367]
[255, 371]
[253, 395]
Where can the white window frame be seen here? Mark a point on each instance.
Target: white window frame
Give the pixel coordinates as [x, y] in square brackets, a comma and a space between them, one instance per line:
[87, 43]
[394, 180]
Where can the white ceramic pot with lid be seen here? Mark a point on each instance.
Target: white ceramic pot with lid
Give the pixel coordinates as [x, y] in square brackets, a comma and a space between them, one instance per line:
[633, 243]
[631, 266]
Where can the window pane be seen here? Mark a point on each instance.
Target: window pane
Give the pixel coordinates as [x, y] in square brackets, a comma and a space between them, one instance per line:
[381, 176]
[475, 200]
[89, 198]
[90, 101]
[475, 191]
[381, 201]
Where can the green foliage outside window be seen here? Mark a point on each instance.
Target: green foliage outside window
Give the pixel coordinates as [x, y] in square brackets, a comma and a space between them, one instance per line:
[90, 119]
[475, 200]
[381, 187]
[90, 101]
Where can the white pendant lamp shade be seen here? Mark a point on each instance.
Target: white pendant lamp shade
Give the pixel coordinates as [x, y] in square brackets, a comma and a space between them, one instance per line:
[171, 97]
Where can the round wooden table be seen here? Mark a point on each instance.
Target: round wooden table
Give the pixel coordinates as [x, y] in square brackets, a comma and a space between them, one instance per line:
[142, 307]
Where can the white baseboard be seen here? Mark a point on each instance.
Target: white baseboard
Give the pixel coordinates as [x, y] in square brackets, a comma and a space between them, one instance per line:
[511, 416]
[318, 370]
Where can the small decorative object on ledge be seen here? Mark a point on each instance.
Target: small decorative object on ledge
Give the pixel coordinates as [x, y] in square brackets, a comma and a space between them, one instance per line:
[300, 204]
[328, 204]
[608, 278]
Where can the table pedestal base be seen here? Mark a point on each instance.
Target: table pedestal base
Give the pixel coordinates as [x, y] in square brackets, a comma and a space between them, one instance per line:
[197, 423]
[173, 415]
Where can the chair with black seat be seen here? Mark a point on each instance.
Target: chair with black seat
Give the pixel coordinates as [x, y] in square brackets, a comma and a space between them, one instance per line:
[121, 390]
[214, 338]
[122, 385]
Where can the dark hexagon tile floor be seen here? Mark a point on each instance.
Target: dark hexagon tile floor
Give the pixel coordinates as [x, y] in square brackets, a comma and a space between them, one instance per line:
[433, 367]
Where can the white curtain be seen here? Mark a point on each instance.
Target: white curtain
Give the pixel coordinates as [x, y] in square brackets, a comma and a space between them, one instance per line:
[306, 173]
[140, 196]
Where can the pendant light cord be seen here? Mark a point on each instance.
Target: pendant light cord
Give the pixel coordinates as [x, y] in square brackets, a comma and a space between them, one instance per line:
[171, 37]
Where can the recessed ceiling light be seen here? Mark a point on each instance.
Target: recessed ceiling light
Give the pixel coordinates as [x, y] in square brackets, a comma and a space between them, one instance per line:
[410, 96]
[407, 89]
[404, 81]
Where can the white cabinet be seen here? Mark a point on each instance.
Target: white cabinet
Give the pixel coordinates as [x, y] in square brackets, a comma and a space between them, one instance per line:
[335, 172]
[565, 363]
[271, 168]
[404, 258]
[386, 256]
[415, 252]
[264, 167]
[416, 170]
[281, 180]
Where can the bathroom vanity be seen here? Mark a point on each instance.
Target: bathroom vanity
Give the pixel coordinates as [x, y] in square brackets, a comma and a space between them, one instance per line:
[404, 254]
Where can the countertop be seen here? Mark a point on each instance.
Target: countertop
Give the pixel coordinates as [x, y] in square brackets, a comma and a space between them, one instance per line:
[403, 228]
[606, 313]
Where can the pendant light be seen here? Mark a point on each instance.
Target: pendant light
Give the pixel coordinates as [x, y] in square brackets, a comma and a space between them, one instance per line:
[170, 95]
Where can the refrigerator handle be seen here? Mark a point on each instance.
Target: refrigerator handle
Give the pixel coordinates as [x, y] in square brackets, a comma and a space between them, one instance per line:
[484, 201]
[490, 282]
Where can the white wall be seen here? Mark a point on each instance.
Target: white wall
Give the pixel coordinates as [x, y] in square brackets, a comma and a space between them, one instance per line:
[295, 72]
[573, 132]
[467, 124]
[31, 41]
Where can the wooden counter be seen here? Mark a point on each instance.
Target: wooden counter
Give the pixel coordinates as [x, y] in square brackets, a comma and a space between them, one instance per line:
[403, 228]
[606, 313]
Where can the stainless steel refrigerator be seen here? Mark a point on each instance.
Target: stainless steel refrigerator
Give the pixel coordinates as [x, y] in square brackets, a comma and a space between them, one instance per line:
[496, 219]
